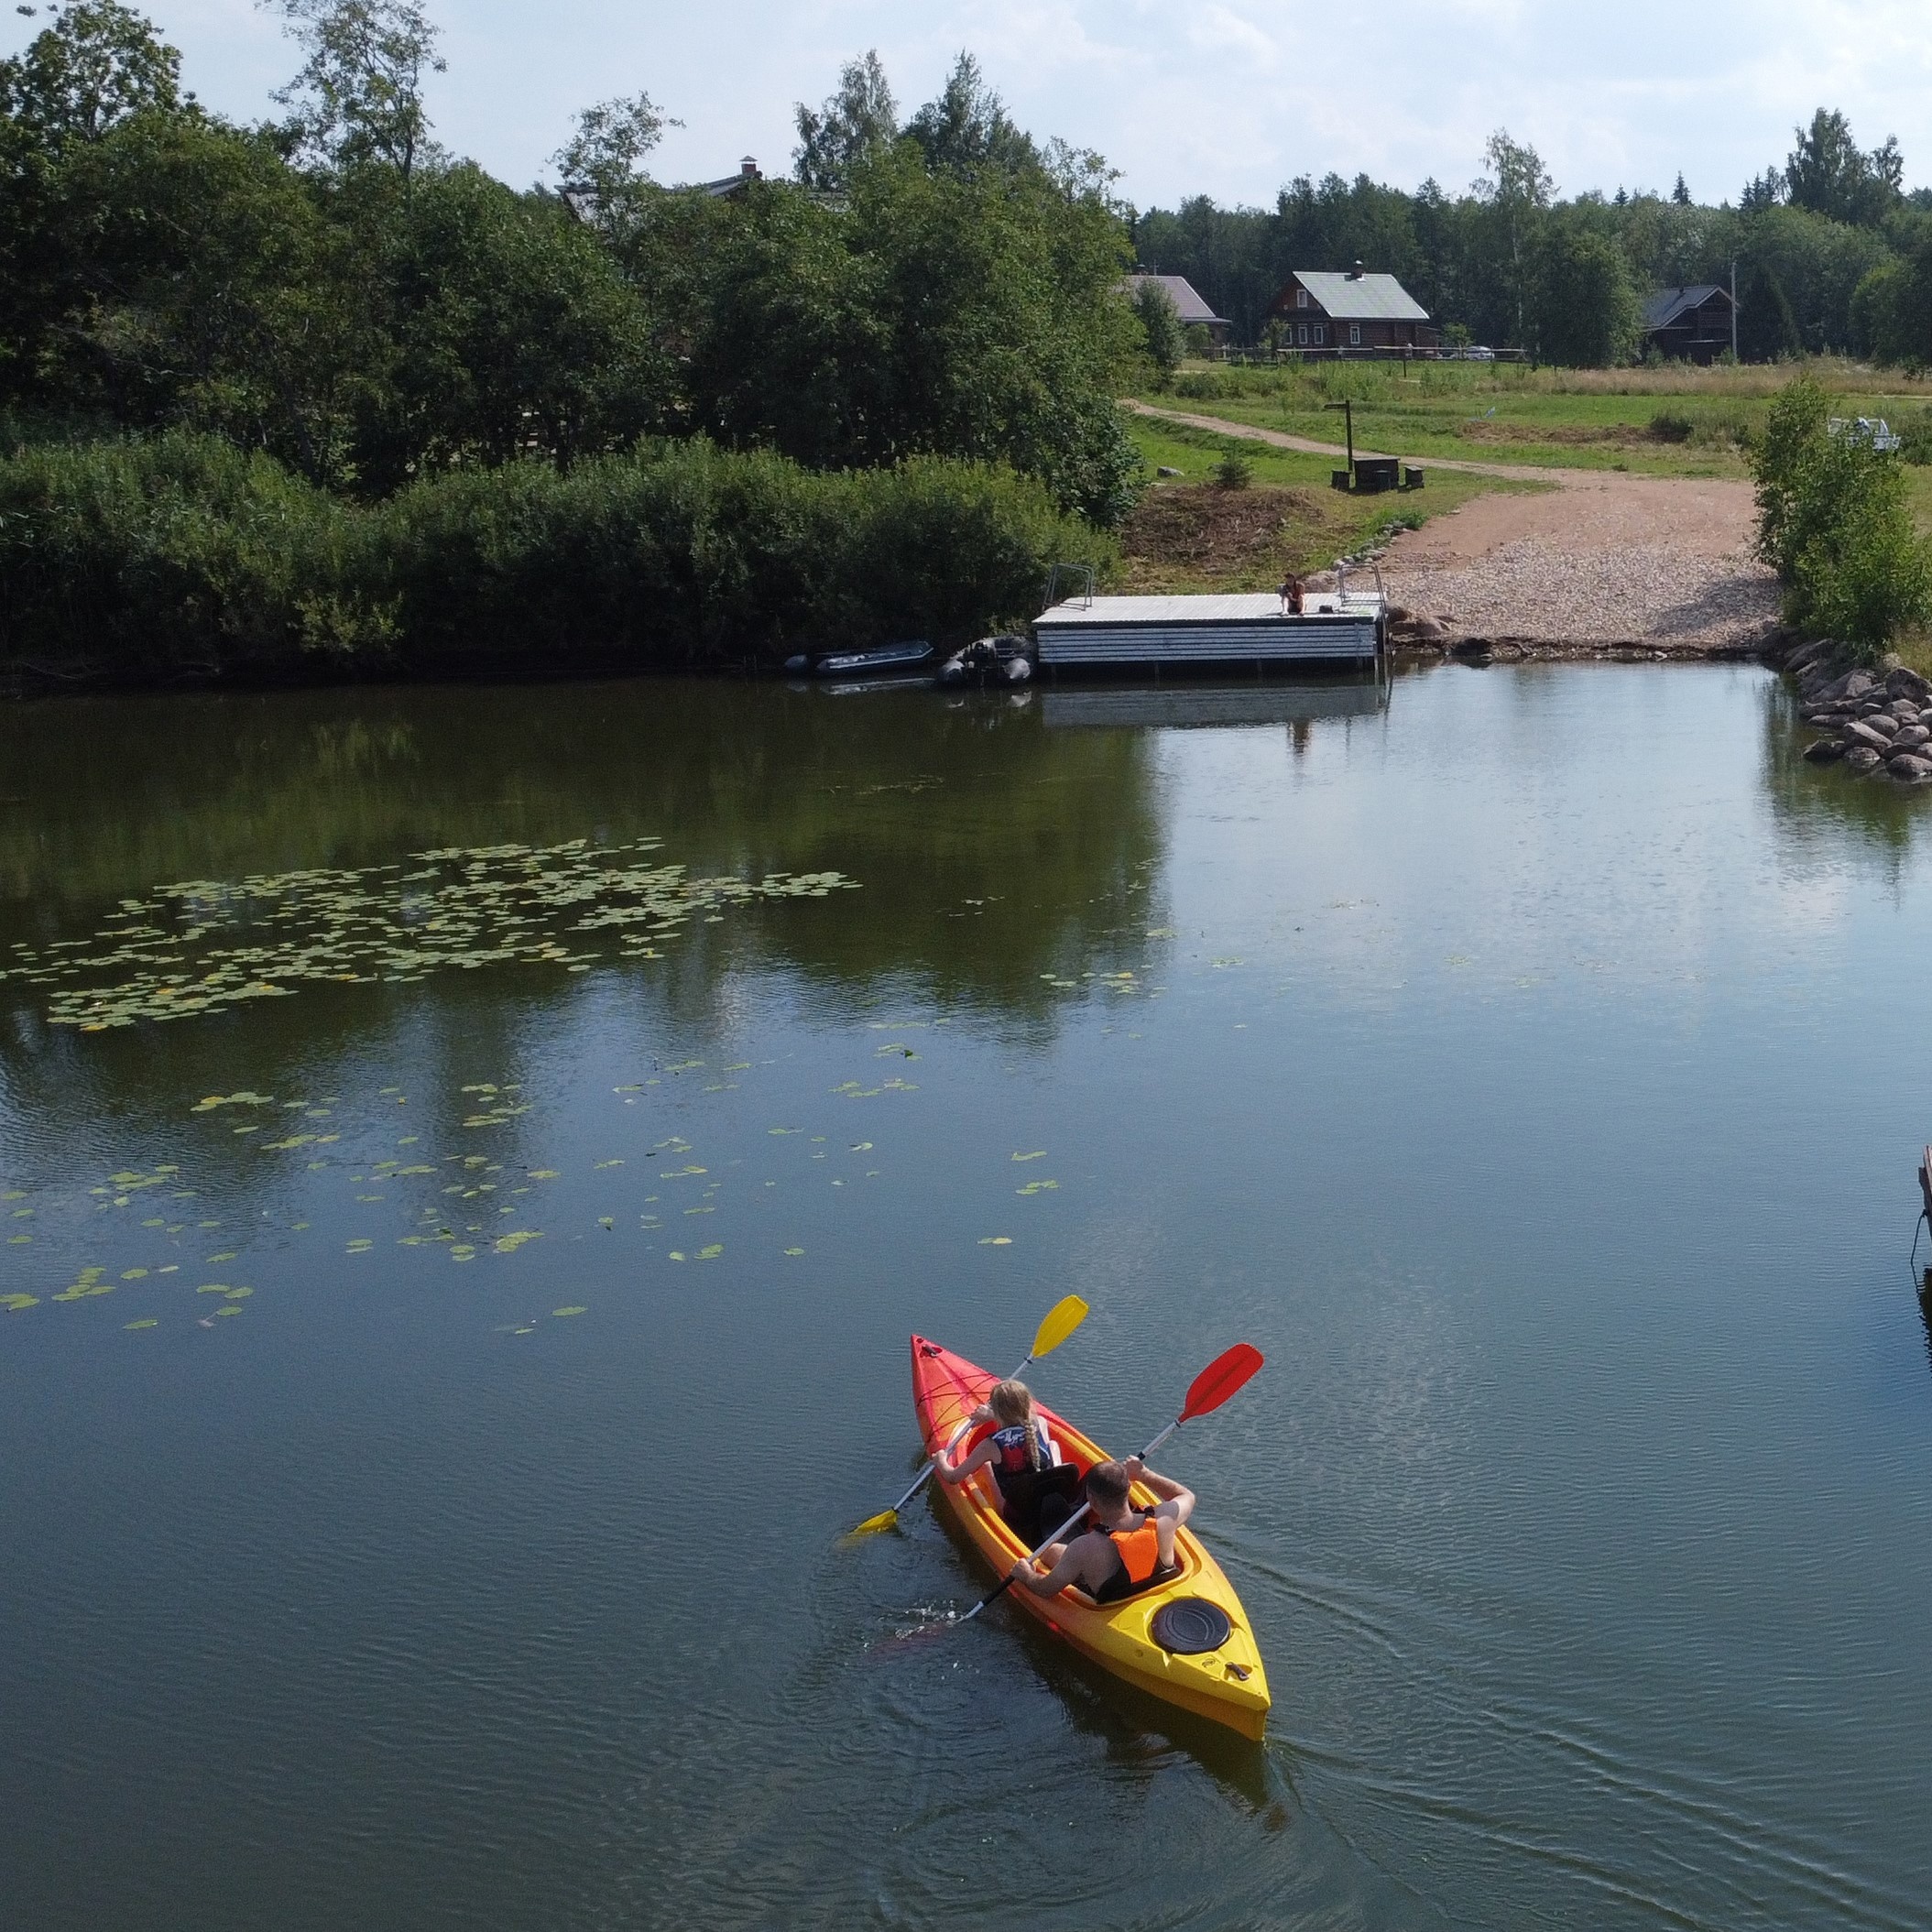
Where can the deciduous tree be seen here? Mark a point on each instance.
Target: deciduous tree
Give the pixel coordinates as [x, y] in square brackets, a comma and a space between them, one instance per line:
[858, 118]
[1583, 310]
[358, 96]
[1828, 173]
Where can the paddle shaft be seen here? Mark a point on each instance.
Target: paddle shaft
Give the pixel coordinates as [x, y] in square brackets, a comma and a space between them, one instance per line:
[1006, 1582]
[925, 1474]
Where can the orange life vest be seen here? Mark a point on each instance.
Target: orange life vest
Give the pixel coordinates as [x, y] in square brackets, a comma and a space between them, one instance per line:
[1138, 1549]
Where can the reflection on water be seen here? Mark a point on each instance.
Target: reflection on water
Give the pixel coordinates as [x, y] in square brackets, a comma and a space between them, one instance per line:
[1205, 706]
[431, 1406]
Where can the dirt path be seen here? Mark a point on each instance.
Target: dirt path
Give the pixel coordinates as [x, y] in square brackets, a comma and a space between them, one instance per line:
[1600, 557]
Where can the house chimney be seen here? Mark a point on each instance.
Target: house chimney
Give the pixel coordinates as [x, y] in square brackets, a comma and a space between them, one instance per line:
[1355, 274]
[747, 168]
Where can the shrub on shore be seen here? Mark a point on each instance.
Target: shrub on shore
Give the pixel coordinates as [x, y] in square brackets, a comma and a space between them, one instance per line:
[182, 558]
[1834, 522]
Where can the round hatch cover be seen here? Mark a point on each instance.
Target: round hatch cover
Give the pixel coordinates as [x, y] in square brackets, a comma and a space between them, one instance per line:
[1190, 1625]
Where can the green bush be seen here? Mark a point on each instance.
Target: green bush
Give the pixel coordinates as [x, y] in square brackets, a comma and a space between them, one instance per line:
[1833, 521]
[182, 559]
[1234, 472]
[1867, 580]
[1206, 386]
[175, 557]
[1915, 434]
[1154, 310]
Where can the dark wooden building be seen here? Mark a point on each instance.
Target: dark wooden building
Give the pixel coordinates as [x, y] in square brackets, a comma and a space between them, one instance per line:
[1329, 310]
[1188, 306]
[1689, 324]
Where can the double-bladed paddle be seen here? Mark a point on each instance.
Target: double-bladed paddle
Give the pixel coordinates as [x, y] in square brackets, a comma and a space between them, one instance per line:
[1205, 1394]
[1061, 1321]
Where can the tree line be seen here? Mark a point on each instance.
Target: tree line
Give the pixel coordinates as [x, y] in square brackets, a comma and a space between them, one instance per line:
[336, 289]
[1831, 255]
[315, 398]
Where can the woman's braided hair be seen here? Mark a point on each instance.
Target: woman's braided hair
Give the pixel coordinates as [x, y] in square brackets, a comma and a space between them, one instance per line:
[1012, 1404]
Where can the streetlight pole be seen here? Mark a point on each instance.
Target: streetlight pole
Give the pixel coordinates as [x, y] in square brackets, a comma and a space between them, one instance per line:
[1733, 309]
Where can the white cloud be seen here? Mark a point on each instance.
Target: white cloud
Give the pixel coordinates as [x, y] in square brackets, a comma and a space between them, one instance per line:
[1218, 29]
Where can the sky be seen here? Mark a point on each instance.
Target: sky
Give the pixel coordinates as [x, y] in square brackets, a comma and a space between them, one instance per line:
[1229, 98]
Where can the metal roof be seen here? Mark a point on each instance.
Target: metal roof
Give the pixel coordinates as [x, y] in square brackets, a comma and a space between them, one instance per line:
[1181, 292]
[1361, 297]
[1664, 307]
[731, 184]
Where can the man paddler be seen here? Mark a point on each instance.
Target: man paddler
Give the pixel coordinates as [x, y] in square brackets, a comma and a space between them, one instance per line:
[1125, 1550]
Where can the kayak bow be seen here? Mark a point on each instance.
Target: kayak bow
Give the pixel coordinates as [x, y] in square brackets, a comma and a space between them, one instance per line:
[1148, 1639]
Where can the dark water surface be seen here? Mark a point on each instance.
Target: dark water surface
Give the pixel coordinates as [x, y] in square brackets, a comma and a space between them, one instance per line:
[1534, 1070]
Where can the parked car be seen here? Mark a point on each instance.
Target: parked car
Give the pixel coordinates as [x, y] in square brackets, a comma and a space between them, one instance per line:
[1873, 429]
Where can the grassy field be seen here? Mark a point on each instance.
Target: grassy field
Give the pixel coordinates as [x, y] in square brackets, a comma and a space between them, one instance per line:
[1192, 534]
[1920, 482]
[1673, 421]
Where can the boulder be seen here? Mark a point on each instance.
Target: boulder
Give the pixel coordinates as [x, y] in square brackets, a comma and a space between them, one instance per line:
[1869, 708]
[1807, 655]
[1903, 710]
[1903, 683]
[1925, 717]
[1909, 738]
[1853, 684]
[1821, 752]
[1858, 732]
[1914, 771]
[1860, 758]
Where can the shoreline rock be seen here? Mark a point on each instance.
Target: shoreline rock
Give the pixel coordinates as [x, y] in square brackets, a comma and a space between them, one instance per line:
[1871, 720]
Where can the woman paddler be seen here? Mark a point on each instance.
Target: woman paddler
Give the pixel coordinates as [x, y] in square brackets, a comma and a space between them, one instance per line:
[1018, 1450]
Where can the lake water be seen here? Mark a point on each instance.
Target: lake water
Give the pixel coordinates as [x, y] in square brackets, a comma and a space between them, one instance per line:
[1535, 1068]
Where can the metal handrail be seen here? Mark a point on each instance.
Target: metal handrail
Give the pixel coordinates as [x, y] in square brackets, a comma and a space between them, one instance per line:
[1082, 572]
[1341, 582]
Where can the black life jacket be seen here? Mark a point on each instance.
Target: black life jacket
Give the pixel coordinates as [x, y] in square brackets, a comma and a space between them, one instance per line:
[1012, 1444]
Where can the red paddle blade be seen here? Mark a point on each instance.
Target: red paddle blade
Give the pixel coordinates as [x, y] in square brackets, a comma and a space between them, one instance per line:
[1220, 1378]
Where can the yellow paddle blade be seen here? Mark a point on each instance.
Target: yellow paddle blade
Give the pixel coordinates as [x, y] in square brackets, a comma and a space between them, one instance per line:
[883, 1520]
[1061, 1321]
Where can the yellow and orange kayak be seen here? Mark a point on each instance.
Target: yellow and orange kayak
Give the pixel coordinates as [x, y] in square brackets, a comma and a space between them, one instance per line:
[1158, 1639]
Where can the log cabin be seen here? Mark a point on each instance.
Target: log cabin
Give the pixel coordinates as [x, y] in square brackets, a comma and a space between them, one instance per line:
[1328, 311]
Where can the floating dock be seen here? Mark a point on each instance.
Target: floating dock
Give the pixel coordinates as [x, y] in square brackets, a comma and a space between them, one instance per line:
[1090, 633]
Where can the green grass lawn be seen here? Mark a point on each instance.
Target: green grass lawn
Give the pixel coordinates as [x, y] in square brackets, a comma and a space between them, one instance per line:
[1672, 422]
[1303, 530]
[1918, 482]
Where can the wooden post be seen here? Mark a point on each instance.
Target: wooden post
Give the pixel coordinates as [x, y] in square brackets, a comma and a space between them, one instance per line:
[1347, 405]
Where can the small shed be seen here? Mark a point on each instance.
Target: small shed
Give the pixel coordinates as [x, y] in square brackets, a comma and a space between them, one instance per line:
[1688, 324]
[1329, 311]
[1187, 304]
